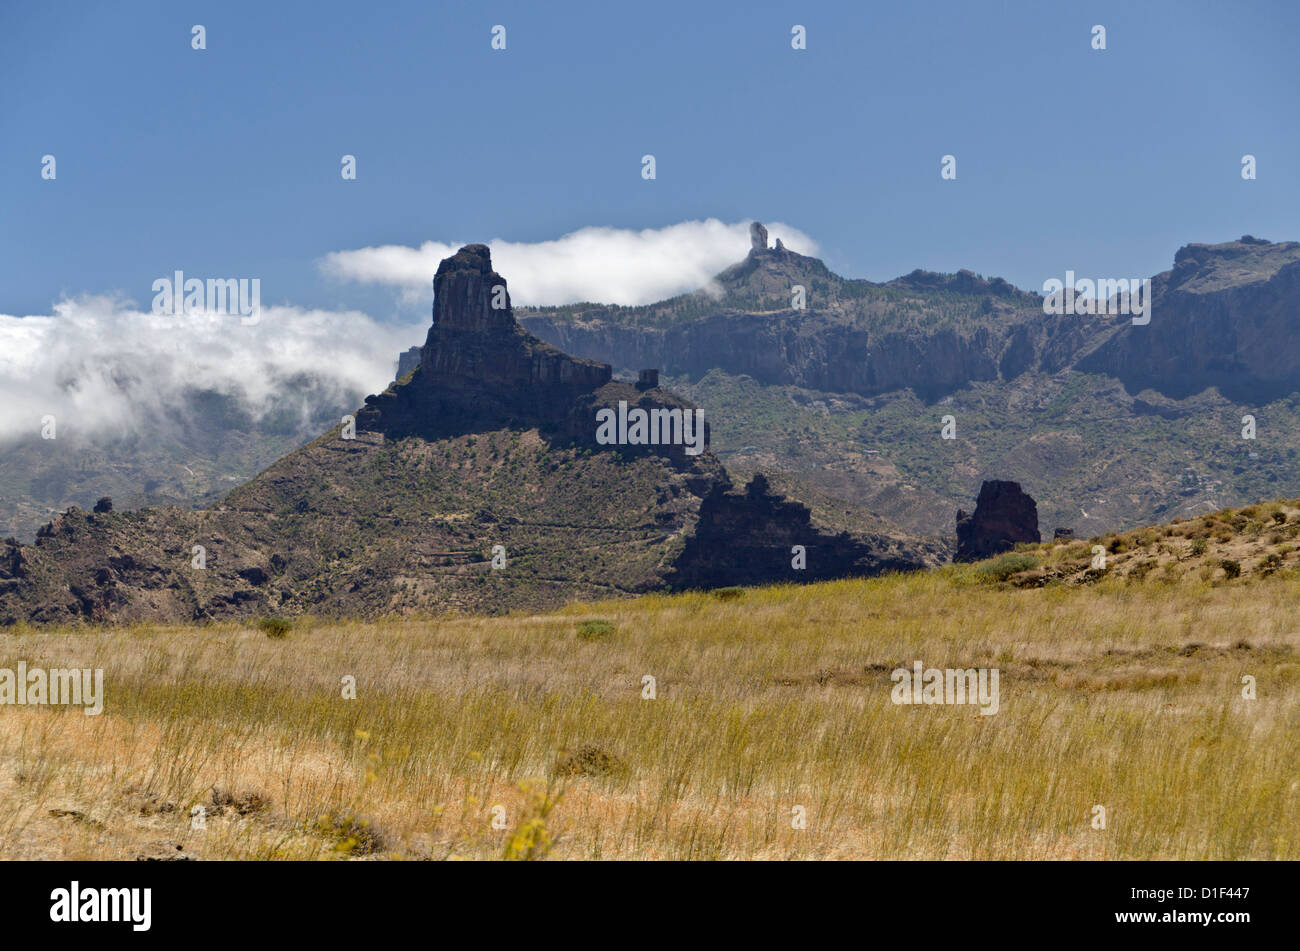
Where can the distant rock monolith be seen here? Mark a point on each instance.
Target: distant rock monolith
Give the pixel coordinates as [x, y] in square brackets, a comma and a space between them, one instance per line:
[1004, 517]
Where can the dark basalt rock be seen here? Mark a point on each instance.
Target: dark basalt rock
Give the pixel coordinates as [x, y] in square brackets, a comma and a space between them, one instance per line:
[746, 538]
[407, 361]
[478, 368]
[1004, 516]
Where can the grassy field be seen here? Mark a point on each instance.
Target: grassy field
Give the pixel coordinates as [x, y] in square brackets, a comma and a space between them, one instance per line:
[1116, 694]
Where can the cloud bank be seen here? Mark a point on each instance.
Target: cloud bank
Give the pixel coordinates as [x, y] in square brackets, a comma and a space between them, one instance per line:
[104, 369]
[602, 265]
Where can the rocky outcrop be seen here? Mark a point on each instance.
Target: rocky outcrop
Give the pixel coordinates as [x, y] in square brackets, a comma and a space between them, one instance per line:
[789, 348]
[758, 537]
[478, 368]
[475, 344]
[407, 361]
[757, 236]
[849, 337]
[1224, 316]
[1004, 517]
[489, 444]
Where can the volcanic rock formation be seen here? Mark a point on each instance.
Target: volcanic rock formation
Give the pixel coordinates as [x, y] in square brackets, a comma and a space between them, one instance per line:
[1224, 316]
[757, 536]
[478, 366]
[474, 482]
[1004, 516]
[407, 361]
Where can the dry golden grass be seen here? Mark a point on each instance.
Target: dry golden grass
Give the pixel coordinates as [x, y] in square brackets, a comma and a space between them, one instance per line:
[1258, 540]
[1115, 694]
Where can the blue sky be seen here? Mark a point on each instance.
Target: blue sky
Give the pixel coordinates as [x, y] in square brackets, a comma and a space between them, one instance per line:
[226, 161]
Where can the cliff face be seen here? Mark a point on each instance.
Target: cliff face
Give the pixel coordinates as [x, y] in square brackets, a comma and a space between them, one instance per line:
[478, 367]
[1223, 316]
[928, 332]
[477, 482]
[1226, 315]
[407, 361]
[787, 349]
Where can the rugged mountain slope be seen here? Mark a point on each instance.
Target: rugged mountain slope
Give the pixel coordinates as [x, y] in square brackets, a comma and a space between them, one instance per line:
[490, 441]
[928, 332]
[1215, 548]
[1227, 315]
[188, 453]
[1107, 424]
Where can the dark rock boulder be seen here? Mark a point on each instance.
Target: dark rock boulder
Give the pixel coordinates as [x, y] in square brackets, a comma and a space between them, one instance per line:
[1004, 516]
[749, 538]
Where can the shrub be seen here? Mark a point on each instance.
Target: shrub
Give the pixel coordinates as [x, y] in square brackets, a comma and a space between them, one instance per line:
[1200, 546]
[352, 834]
[1004, 566]
[728, 594]
[589, 760]
[1279, 517]
[1140, 570]
[1230, 568]
[274, 627]
[244, 804]
[594, 629]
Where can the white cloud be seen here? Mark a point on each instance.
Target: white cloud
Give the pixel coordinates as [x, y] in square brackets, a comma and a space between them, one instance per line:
[103, 368]
[604, 265]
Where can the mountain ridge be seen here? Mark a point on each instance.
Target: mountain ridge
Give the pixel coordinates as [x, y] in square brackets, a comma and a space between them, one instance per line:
[849, 396]
[474, 483]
